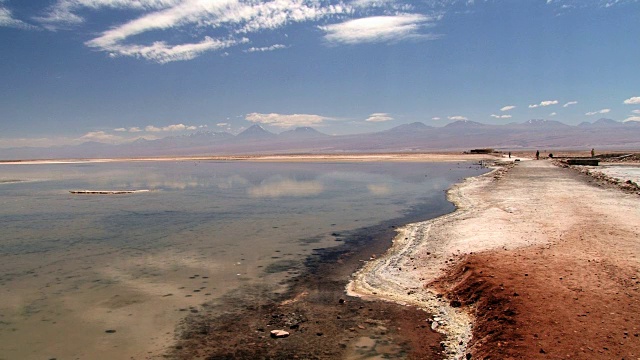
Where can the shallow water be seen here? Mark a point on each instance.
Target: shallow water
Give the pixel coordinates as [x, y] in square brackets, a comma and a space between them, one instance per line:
[74, 266]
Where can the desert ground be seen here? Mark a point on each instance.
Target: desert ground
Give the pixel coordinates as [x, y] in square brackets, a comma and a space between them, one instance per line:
[538, 262]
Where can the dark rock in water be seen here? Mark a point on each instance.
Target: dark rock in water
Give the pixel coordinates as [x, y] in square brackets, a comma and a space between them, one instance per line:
[110, 331]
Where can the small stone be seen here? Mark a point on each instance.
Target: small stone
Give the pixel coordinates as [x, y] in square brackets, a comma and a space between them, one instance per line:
[542, 351]
[279, 334]
[110, 331]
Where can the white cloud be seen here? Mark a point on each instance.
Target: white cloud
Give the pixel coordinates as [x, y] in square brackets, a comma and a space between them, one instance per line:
[632, 118]
[380, 29]
[162, 53]
[435, 118]
[544, 103]
[379, 117]
[135, 129]
[636, 111]
[63, 13]
[176, 127]
[500, 116]
[266, 48]
[7, 20]
[222, 124]
[633, 101]
[101, 136]
[120, 130]
[457, 117]
[570, 103]
[286, 120]
[603, 111]
[553, 114]
[576, 4]
[507, 108]
[231, 20]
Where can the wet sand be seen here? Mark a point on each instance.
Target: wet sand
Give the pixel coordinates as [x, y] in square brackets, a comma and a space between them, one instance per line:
[537, 262]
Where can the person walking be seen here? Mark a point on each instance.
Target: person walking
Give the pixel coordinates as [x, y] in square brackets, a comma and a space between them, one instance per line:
[593, 152]
[537, 154]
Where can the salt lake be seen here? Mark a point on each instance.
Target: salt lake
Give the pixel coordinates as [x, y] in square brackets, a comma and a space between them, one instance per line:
[110, 276]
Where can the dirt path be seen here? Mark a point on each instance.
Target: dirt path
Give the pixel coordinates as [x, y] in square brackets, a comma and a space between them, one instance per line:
[546, 264]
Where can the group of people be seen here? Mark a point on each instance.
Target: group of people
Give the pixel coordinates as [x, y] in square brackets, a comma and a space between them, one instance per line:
[593, 154]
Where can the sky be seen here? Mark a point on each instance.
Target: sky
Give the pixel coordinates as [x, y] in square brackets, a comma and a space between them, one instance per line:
[117, 70]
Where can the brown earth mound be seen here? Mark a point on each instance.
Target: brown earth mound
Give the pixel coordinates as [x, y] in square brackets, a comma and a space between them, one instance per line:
[567, 301]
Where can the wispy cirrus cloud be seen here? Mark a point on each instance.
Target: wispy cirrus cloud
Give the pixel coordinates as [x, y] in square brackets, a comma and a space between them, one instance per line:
[380, 29]
[570, 103]
[8, 20]
[232, 21]
[576, 4]
[379, 117]
[507, 108]
[266, 48]
[543, 104]
[501, 116]
[603, 111]
[287, 120]
[65, 13]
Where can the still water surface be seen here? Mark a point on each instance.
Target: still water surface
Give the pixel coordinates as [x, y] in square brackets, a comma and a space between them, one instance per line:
[74, 266]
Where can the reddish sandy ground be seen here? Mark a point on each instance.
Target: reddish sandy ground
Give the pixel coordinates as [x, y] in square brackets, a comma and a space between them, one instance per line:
[575, 297]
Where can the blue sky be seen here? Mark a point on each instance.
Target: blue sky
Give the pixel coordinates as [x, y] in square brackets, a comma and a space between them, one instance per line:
[116, 70]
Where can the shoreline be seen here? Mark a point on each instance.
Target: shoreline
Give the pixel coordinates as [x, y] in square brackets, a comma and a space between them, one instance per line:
[324, 322]
[389, 278]
[569, 236]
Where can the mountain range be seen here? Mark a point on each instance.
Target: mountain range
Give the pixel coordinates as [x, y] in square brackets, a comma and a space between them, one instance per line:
[413, 137]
